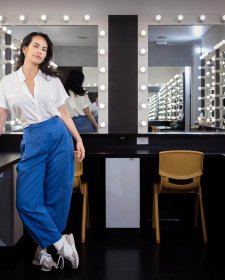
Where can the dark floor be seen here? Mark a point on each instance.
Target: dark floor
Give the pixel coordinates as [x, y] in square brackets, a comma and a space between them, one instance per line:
[126, 254]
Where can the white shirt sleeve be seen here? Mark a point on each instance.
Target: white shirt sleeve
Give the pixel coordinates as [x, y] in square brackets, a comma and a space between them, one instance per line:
[61, 94]
[3, 100]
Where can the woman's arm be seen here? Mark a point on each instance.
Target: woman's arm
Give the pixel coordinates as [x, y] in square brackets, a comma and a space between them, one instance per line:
[72, 129]
[3, 117]
[91, 117]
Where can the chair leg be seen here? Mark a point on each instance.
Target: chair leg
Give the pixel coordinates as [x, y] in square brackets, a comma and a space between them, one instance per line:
[196, 210]
[153, 209]
[202, 216]
[84, 213]
[156, 211]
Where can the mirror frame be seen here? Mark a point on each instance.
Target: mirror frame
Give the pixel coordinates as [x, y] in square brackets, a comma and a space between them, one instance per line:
[102, 23]
[143, 23]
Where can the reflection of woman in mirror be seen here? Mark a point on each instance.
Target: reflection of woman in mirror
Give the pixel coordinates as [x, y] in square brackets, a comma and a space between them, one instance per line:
[78, 103]
[35, 96]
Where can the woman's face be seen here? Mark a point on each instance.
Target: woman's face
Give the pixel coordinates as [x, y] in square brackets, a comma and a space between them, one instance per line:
[36, 51]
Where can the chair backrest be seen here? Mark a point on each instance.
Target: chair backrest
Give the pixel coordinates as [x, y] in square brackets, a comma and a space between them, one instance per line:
[180, 165]
[78, 171]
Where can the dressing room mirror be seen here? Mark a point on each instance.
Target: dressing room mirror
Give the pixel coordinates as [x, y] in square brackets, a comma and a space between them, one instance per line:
[75, 47]
[173, 77]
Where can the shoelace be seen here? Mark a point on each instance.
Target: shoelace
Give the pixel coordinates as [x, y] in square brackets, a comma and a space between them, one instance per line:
[62, 264]
[45, 255]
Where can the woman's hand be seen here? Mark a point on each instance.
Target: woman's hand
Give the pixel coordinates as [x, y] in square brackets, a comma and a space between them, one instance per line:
[80, 150]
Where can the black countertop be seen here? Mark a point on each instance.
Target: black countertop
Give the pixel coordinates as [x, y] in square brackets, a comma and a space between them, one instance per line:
[8, 159]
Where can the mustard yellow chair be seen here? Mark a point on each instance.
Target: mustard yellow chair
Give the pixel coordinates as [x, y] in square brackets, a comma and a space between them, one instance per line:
[180, 172]
[82, 187]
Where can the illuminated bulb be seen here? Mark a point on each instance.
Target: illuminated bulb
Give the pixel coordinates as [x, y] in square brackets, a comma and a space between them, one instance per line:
[143, 87]
[143, 123]
[103, 124]
[2, 19]
[102, 106]
[102, 33]
[222, 18]
[9, 31]
[44, 18]
[143, 105]
[180, 18]
[143, 33]
[102, 70]
[201, 18]
[158, 18]
[102, 87]
[143, 51]
[4, 28]
[101, 51]
[23, 18]
[66, 18]
[87, 17]
[142, 69]
[12, 61]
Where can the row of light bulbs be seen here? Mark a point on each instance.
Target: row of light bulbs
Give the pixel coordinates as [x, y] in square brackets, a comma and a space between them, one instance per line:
[180, 18]
[44, 18]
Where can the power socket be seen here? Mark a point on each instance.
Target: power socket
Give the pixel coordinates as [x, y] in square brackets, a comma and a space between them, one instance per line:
[142, 141]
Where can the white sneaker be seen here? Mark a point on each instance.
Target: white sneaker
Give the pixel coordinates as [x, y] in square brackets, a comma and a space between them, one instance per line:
[43, 259]
[68, 251]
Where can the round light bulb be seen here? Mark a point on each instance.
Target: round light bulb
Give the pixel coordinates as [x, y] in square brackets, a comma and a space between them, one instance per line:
[87, 17]
[143, 51]
[102, 33]
[158, 18]
[66, 18]
[102, 106]
[103, 124]
[142, 69]
[143, 123]
[143, 105]
[101, 51]
[102, 69]
[143, 33]
[143, 87]
[44, 18]
[102, 87]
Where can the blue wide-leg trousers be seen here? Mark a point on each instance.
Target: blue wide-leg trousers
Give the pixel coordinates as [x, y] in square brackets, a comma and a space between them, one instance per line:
[45, 177]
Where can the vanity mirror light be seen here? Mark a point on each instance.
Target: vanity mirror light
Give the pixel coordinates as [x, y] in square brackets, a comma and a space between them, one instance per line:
[79, 41]
[171, 49]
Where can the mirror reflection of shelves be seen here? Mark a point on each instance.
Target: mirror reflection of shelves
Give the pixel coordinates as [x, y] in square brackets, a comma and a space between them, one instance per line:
[213, 87]
[167, 104]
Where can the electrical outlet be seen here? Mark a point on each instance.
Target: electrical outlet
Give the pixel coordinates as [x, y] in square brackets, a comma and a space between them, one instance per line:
[142, 140]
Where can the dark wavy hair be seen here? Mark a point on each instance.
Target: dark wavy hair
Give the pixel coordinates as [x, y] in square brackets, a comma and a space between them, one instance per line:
[74, 82]
[44, 66]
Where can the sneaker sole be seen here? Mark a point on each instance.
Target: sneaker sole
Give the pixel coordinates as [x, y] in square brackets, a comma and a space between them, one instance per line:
[72, 242]
[37, 263]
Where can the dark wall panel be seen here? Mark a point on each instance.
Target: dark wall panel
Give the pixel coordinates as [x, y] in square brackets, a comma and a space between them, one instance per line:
[123, 74]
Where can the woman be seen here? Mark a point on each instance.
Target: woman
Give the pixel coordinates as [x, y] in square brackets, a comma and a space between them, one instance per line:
[78, 104]
[34, 95]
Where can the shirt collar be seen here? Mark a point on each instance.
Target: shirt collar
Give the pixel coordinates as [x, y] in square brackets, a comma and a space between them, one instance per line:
[22, 77]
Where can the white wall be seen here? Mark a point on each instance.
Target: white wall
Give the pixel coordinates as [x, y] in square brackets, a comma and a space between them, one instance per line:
[113, 6]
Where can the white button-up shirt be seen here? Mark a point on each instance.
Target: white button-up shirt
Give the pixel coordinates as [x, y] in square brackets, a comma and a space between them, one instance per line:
[49, 94]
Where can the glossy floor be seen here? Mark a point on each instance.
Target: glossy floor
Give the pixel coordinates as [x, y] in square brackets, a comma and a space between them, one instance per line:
[126, 254]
